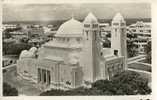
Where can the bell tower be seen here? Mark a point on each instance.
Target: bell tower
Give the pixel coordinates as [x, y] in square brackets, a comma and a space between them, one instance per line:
[90, 36]
[118, 37]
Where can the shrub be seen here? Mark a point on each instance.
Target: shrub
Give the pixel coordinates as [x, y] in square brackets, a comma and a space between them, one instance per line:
[9, 91]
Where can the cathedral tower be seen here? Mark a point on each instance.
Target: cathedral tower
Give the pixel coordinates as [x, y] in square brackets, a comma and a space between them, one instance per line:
[90, 34]
[118, 36]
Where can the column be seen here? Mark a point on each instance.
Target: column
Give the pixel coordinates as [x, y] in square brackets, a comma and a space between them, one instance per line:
[46, 76]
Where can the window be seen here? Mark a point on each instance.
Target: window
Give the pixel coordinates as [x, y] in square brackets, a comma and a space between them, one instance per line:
[101, 53]
[68, 83]
[95, 25]
[116, 52]
[149, 31]
[122, 24]
[141, 30]
[68, 39]
[116, 32]
[115, 23]
[11, 61]
[87, 34]
[122, 30]
[134, 30]
[95, 35]
[78, 39]
[63, 39]
[86, 25]
[25, 71]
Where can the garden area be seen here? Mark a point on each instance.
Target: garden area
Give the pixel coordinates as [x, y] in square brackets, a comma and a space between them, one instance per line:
[125, 83]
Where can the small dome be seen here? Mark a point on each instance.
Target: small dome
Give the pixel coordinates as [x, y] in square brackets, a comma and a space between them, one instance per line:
[23, 52]
[118, 17]
[70, 27]
[26, 54]
[90, 18]
[33, 49]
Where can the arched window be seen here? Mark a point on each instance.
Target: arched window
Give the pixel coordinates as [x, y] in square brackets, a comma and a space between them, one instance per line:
[86, 25]
[116, 32]
[116, 24]
[87, 34]
[95, 35]
[95, 25]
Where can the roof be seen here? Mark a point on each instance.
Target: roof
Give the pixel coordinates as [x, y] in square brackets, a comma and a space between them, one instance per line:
[90, 18]
[54, 58]
[70, 28]
[62, 45]
[118, 17]
[28, 53]
[106, 51]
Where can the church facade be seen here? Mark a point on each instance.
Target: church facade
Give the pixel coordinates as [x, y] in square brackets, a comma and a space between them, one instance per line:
[75, 57]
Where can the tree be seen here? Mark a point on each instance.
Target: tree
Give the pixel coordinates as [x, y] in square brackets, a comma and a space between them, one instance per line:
[125, 83]
[131, 48]
[148, 50]
[6, 34]
[107, 43]
[9, 91]
[15, 48]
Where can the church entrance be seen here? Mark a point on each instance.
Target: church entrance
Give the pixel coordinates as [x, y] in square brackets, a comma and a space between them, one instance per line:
[44, 76]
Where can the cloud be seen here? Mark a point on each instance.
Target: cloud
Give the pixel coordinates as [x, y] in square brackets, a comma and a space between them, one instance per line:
[33, 12]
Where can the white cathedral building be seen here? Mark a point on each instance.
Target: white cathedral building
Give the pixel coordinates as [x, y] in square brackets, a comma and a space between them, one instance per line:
[75, 56]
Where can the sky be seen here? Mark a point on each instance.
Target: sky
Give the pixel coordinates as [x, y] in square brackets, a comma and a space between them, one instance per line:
[46, 12]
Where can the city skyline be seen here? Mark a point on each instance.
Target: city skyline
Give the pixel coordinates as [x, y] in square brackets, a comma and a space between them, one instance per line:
[46, 12]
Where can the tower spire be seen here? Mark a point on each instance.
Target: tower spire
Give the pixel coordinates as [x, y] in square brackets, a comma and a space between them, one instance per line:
[72, 16]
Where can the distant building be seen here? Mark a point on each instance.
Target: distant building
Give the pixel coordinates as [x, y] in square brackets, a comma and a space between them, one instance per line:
[142, 31]
[75, 56]
[35, 31]
[18, 35]
[10, 26]
[105, 29]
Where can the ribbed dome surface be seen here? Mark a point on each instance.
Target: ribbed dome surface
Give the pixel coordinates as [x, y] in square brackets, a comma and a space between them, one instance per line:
[118, 17]
[33, 49]
[90, 18]
[25, 54]
[28, 54]
[70, 27]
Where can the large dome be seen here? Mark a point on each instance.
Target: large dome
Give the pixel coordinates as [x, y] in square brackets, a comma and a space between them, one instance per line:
[70, 27]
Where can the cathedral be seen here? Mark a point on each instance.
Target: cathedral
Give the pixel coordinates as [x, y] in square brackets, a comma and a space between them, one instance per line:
[75, 57]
